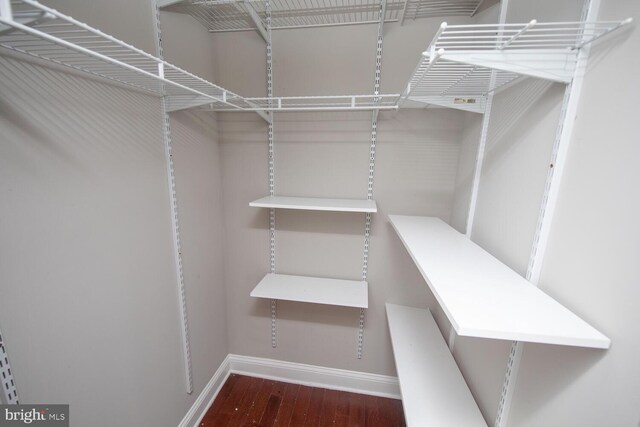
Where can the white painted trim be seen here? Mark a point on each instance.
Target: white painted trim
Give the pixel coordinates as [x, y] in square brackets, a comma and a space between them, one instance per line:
[291, 372]
[199, 408]
[316, 376]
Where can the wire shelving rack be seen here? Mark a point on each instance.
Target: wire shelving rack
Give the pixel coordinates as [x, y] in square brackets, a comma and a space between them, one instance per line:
[35, 30]
[463, 63]
[238, 15]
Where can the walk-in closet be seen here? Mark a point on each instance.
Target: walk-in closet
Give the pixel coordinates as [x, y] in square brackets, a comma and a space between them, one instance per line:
[301, 213]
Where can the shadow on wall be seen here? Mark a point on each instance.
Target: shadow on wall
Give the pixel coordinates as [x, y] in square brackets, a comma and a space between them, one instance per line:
[602, 48]
[196, 126]
[517, 111]
[301, 221]
[63, 135]
[557, 368]
[308, 313]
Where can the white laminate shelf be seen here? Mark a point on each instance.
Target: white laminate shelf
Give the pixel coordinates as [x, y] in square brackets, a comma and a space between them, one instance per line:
[481, 296]
[316, 204]
[318, 290]
[433, 390]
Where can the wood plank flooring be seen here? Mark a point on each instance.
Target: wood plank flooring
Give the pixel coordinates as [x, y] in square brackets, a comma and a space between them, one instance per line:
[248, 401]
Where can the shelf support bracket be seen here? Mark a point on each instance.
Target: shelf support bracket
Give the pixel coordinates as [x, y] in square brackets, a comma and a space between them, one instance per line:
[518, 34]
[478, 6]
[594, 38]
[256, 21]
[403, 14]
[432, 61]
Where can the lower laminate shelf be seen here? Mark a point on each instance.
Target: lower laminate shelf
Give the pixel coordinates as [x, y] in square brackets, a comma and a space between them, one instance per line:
[434, 393]
[348, 293]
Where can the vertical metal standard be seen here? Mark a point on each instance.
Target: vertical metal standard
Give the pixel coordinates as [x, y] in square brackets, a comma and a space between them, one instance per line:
[555, 170]
[272, 211]
[175, 226]
[372, 163]
[7, 383]
[9, 389]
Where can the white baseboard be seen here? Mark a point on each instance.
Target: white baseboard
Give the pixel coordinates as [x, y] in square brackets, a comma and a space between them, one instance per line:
[208, 395]
[316, 376]
[297, 373]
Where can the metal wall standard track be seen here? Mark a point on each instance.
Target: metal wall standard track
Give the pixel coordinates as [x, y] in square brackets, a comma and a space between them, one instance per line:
[10, 392]
[372, 163]
[272, 211]
[175, 226]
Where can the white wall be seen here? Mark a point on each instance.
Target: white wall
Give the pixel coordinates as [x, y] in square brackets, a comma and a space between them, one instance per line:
[465, 171]
[327, 155]
[592, 259]
[88, 298]
[560, 385]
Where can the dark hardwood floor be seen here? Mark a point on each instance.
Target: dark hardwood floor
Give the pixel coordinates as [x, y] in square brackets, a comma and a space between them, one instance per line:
[248, 401]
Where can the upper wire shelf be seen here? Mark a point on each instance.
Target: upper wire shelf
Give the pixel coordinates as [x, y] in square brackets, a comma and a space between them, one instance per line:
[57, 38]
[464, 63]
[238, 15]
[30, 28]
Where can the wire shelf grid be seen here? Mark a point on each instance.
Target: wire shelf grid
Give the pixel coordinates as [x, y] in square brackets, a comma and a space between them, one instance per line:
[30, 28]
[522, 36]
[234, 15]
[464, 63]
[64, 41]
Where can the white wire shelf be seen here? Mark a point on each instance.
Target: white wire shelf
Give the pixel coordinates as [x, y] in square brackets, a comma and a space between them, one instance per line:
[316, 204]
[60, 39]
[32, 29]
[481, 296]
[464, 63]
[318, 290]
[316, 103]
[238, 15]
[434, 392]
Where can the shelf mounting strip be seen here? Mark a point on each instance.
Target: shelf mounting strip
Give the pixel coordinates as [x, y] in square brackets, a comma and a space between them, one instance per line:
[7, 382]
